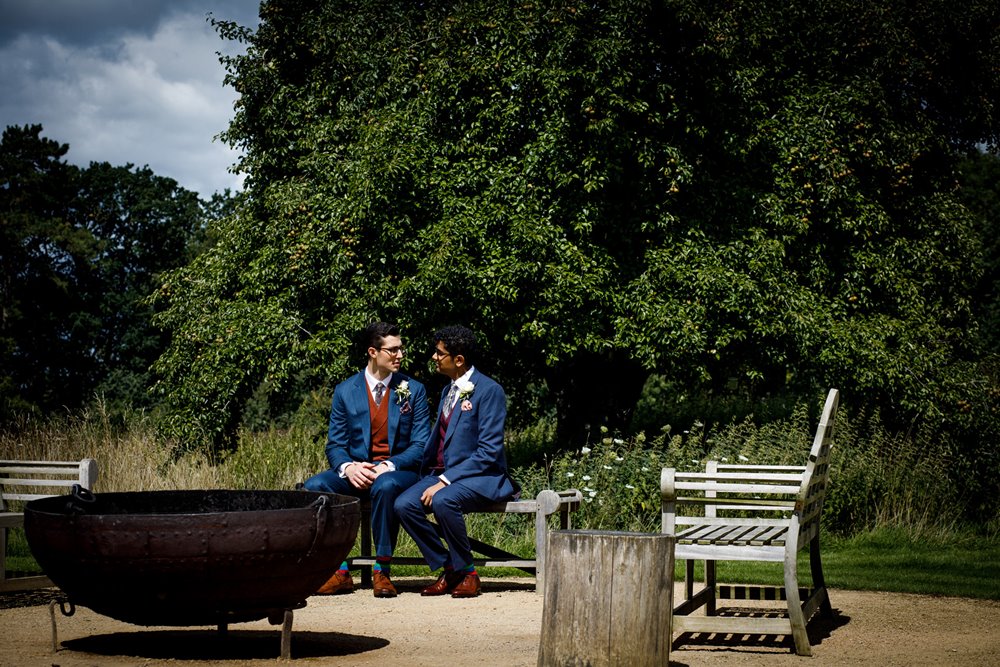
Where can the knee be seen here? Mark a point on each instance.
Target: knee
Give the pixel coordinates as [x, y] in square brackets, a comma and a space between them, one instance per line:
[386, 487]
[404, 505]
[446, 504]
[314, 483]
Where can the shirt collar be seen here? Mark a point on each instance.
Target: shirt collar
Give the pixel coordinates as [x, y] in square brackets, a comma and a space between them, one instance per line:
[466, 376]
[372, 380]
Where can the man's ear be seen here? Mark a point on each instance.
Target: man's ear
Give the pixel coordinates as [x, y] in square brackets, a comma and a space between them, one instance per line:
[459, 360]
[372, 353]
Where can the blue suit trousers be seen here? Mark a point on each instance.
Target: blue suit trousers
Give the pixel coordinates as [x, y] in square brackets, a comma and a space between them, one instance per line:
[449, 506]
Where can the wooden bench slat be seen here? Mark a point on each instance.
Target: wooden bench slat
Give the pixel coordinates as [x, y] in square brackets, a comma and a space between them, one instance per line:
[702, 477]
[743, 521]
[15, 481]
[744, 503]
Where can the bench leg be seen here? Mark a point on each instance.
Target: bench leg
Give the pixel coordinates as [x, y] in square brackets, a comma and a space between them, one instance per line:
[366, 547]
[711, 587]
[796, 618]
[819, 583]
[541, 539]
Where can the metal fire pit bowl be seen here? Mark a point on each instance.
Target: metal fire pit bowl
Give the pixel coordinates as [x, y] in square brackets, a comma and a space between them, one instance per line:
[191, 557]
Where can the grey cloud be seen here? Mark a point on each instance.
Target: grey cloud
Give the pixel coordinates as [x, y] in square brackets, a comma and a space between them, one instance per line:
[92, 22]
[149, 93]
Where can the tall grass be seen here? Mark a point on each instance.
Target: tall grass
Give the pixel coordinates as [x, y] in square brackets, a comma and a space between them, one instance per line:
[880, 481]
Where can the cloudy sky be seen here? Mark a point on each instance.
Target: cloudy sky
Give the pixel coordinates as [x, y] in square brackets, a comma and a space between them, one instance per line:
[124, 81]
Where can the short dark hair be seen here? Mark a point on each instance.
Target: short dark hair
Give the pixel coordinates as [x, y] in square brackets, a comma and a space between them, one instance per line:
[458, 340]
[374, 334]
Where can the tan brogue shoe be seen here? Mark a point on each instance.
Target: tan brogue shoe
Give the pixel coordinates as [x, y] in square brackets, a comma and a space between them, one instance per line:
[338, 584]
[467, 588]
[444, 585]
[382, 586]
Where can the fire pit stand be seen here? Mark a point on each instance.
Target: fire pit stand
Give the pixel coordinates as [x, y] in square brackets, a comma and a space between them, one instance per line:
[285, 621]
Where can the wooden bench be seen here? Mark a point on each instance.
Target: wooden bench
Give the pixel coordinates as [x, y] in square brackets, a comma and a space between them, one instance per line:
[751, 513]
[546, 504]
[21, 481]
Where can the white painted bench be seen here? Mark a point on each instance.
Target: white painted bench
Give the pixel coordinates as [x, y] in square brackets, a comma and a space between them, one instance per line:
[543, 506]
[21, 481]
[751, 513]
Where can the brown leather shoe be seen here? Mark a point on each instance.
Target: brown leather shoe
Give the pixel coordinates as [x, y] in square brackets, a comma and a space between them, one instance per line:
[382, 586]
[338, 584]
[444, 585]
[467, 588]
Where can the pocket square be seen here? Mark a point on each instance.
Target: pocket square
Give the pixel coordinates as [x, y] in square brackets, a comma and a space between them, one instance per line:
[466, 405]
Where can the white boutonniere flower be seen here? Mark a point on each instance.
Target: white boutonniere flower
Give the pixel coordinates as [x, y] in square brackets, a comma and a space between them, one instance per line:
[465, 389]
[403, 391]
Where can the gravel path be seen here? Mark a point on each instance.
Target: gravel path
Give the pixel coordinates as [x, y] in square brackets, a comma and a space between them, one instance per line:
[499, 628]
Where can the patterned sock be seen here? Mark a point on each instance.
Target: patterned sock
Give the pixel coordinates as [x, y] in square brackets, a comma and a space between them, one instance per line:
[383, 564]
[343, 569]
[469, 569]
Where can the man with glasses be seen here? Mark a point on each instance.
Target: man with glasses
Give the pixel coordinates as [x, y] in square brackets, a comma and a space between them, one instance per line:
[464, 468]
[379, 423]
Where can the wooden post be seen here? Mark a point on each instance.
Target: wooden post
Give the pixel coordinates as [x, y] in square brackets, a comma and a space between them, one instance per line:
[608, 599]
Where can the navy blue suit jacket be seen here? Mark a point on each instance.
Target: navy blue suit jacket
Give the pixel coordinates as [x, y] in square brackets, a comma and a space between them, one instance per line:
[473, 443]
[349, 435]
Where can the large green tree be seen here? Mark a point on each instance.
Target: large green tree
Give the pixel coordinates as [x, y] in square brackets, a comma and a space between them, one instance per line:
[743, 193]
[143, 225]
[81, 249]
[44, 273]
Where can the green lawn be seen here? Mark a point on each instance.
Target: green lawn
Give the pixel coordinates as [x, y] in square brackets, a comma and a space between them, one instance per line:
[886, 561]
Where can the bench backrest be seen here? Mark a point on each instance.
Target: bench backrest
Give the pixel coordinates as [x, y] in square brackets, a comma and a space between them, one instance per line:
[22, 481]
[816, 478]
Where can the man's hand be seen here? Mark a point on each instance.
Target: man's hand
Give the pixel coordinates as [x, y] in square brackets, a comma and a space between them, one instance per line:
[428, 495]
[360, 474]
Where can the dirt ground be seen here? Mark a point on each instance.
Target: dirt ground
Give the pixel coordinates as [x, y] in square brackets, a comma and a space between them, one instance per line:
[501, 628]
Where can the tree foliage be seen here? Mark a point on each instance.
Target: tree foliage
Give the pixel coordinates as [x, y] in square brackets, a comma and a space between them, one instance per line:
[81, 250]
[734, 194]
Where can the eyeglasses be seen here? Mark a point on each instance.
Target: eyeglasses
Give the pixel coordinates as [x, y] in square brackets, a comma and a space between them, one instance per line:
[439, 353]
[397, 351]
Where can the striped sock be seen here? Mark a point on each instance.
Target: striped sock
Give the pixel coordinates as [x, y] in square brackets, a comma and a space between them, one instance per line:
[343, 569]
[383, 564]
[469, 569]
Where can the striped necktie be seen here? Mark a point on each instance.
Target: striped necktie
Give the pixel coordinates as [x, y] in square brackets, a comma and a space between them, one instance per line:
[450, 400]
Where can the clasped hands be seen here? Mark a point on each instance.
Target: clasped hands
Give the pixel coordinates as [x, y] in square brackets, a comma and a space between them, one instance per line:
[361, 474]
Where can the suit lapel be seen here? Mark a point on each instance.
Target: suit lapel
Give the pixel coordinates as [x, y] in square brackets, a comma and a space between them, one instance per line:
[456, 413]
[361, 403]
[391, 396]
